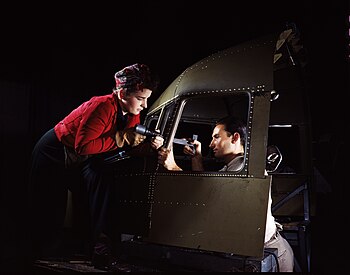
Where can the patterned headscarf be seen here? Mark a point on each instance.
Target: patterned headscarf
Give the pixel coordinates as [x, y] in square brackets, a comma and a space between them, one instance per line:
[134, 77]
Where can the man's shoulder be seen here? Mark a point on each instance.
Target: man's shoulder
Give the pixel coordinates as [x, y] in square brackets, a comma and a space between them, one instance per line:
[236, 164]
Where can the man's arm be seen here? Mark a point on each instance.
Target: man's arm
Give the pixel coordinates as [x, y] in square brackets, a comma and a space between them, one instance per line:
[166, 158]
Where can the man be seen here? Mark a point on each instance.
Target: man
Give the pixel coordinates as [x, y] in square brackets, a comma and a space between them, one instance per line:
[228, 142]
[99, 125]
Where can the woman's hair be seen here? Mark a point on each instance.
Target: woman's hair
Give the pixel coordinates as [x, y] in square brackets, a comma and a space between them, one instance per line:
[233, 125]
[136, 77]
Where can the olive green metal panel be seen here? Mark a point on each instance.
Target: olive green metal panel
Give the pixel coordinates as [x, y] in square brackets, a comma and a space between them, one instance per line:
[246, 66]
[258, 129]
[210, 212]
[132, 194]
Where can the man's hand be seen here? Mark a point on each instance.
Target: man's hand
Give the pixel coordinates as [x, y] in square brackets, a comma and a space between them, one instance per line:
[166, 158]
[197, 149]
[128, 137]
[197, 160]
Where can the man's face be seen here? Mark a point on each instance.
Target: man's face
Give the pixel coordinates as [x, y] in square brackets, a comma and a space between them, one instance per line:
[134, 103]
[221, 143]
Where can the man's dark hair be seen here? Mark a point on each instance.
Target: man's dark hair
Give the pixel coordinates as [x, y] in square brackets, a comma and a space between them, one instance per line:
[232, 125]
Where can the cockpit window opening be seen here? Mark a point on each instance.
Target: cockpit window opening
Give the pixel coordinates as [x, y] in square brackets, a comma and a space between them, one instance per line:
[198, 119]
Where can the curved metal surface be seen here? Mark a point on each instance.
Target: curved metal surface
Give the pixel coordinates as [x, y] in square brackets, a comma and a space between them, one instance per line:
[243, 67]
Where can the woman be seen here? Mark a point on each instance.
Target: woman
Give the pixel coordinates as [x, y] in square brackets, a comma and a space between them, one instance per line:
[99, 125]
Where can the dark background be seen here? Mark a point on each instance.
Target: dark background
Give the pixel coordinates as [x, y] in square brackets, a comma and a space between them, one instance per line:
[54, 57]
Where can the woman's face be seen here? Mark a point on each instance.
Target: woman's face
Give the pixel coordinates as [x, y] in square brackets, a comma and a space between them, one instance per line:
[135, 102]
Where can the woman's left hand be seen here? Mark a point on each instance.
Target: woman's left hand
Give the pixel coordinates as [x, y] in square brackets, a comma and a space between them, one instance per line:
[157, 142]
